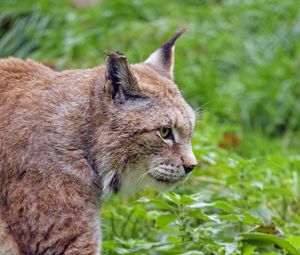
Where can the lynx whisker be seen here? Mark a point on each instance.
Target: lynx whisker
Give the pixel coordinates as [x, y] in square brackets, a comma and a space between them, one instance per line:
[142, 176]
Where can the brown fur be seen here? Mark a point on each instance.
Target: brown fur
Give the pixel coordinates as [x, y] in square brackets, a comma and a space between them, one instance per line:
[64, 141]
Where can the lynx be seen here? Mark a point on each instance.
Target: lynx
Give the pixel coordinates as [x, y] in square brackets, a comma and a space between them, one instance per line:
[68, 138]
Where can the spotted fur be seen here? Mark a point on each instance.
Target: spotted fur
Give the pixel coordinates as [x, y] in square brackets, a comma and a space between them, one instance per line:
[68, 138]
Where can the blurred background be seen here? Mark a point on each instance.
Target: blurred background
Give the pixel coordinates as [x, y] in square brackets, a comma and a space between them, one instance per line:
[237, 65]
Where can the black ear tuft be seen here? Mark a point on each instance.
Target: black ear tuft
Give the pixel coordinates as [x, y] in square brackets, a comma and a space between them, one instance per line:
[122, 81]
[163, 58]
[166, 49]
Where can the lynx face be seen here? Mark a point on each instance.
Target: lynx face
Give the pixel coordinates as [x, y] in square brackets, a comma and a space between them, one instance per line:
[151, 123]
[162, 136]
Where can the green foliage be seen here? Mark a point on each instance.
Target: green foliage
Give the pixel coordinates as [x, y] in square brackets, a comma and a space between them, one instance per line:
[230, 205]
[271, 239]
[238, 63]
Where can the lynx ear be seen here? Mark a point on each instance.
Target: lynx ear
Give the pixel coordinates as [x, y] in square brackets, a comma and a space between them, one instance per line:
[122, 84]
[163, 58]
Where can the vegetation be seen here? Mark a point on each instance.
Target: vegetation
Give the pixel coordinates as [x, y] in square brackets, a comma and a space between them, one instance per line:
[238, 64]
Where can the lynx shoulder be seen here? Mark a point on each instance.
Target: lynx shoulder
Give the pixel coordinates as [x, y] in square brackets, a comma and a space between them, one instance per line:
[67, 138]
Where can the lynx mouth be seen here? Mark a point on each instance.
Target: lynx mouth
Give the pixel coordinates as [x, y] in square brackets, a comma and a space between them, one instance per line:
[167, 180]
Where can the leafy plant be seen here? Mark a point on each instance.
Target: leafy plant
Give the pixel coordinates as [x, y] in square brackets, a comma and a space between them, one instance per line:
[238, 65]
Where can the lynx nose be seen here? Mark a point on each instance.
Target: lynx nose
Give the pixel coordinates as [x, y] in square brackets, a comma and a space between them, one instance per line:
[188, 169]
[189, 160]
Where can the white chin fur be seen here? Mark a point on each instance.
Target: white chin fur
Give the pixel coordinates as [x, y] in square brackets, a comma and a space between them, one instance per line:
[137, 179]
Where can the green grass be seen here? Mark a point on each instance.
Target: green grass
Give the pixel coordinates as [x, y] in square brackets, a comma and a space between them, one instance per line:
[238, 62]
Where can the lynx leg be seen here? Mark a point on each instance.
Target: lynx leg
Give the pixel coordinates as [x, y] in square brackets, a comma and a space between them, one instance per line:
[52, 219]
[65, 240]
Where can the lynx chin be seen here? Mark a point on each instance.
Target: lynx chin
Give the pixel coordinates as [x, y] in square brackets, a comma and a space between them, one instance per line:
[68, 138]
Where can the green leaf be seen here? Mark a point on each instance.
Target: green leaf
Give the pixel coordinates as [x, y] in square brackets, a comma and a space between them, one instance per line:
[250, 219]
[164, 220]
[284, 244]
[264, 214]
[143, 200]
[248, 249]
[184, 200]
[230, 217]
[294, 240]
[200, 205]
[198, 214]
[192, 253]
[172, 197]
[224, 206]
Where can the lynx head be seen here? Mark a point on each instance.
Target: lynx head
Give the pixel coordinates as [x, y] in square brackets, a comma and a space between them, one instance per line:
[149, 124]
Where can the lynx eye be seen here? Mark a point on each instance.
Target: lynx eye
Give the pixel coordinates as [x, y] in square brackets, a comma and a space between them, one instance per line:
[166, 133]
